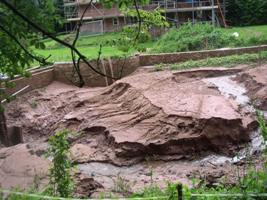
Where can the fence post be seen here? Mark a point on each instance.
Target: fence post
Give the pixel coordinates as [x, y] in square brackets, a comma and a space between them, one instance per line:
[180, 191]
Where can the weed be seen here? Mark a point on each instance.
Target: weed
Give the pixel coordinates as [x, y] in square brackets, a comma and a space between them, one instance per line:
[190, 37]
[262, 124]
[227, 61]
[159, 67]
[121, 185]
[33, 104]
[61, 181]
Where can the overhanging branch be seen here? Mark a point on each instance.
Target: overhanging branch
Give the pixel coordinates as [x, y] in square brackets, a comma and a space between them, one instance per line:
[44, 32]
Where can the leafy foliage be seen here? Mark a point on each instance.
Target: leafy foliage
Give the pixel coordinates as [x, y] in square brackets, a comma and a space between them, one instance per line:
[262, 124]
[16, 37]
[13, 59]
[122, 3]
[190, 37]
[247, 12]
[61, 181]
[140, 32]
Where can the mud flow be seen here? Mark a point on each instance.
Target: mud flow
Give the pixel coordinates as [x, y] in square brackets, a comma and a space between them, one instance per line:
[177, 125]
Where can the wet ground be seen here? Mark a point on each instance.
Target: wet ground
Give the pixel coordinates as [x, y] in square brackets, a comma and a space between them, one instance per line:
[151, 127]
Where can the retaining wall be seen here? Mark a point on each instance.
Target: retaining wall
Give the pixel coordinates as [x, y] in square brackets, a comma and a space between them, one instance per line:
[196, 55]
[38, 79]
[63, 71]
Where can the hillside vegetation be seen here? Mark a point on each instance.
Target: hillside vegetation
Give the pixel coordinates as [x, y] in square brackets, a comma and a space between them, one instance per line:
[191, 37]
[187, 38]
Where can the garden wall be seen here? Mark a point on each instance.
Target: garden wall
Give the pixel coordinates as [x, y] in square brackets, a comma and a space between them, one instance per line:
[39, 78]
[63, 71]
[166, 58]
[119, 67]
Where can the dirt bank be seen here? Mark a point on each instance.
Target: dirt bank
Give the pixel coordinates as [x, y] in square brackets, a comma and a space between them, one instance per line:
[141, 115]
[255, 81]
[149, 116]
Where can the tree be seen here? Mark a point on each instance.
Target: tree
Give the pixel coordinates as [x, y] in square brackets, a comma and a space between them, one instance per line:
[16, 38]
[247, 12]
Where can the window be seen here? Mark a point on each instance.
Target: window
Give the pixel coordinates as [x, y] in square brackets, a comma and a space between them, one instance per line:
[115, 21]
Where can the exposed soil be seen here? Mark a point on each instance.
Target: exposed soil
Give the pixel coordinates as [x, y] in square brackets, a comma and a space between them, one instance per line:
[255, 81]
[139, 123]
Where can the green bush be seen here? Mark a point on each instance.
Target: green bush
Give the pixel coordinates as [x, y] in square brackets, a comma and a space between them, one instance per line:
[191, 37]
[61, 181]
[246, 12]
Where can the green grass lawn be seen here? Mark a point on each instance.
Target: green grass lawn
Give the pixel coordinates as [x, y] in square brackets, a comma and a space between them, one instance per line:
[249, 31]
[63, 54]
[89, 45]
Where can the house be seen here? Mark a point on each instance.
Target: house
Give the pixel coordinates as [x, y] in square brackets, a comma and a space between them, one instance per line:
[98, 19]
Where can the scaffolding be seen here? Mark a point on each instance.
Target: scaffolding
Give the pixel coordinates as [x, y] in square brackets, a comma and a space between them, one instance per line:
[72, 14]
[71, 9]
[176, 12]
[195, 7]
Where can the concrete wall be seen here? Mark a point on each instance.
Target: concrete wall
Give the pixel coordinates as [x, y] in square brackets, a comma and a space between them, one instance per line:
[153, 59]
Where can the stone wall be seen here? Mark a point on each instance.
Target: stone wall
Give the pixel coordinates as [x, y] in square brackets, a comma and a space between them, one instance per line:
[166, 58]
[63, 71]
[39, 78]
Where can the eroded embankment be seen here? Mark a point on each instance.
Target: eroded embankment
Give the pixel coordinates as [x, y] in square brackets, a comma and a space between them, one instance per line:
[142, 115]
[159, 116]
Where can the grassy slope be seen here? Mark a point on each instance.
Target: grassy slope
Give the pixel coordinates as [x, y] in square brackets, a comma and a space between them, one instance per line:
[90, 45]
[249, 31]
[227, 61]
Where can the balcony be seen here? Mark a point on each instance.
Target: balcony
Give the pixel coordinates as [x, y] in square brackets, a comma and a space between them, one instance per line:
[182, 5]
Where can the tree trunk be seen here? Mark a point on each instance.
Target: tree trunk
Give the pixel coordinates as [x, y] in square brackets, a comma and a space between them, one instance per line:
[3, 129]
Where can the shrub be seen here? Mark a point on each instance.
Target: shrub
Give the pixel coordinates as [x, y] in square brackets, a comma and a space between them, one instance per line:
[61, 182]
[247, 12]
[190, 37]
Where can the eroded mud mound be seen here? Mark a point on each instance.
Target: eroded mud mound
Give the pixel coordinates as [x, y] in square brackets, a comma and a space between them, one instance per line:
[161, 115]
[255, 80]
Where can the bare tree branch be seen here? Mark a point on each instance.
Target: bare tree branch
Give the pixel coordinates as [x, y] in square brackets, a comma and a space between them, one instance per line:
[80, 24]
[139, 21]
[81, 81]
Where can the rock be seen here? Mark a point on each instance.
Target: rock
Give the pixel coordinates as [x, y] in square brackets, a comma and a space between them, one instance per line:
[86, 186]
